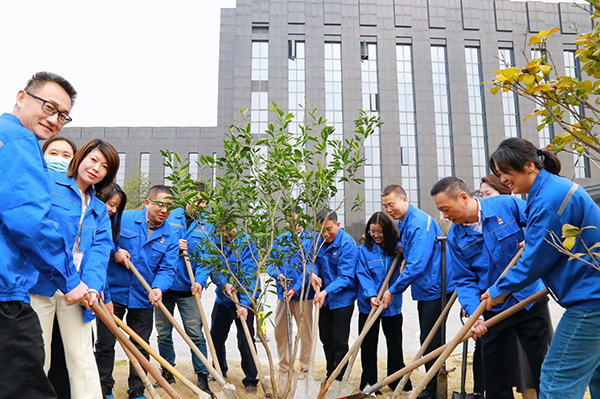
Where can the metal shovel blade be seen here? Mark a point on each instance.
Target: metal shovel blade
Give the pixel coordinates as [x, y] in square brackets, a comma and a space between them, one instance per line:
[339, 389]
[307, 388]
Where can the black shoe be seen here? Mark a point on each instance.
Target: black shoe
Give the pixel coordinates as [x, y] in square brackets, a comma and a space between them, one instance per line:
[167, 376]
[203, 383]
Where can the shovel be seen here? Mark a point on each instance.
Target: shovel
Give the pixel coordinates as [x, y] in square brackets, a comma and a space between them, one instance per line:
[463, 374]
[261, 376]
[201, 394]
[108, 321]
[228, 391]
[332, 388]
[211, 345]
[433, 354]
[309, 387]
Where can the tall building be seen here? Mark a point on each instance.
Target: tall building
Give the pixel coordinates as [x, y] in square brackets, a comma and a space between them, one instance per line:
[419, 64]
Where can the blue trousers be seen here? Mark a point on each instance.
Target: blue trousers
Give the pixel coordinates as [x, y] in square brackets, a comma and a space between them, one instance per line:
[191, 324]
[573, 360]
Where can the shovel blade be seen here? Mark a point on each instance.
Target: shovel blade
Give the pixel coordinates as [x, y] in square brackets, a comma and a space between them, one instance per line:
[226, 393]
[307, 389]
[459, 395]
[339, 388]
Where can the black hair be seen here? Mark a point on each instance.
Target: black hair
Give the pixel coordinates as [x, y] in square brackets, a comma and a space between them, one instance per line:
[59, 138]
[451, 186]
[200, 186]
[514, 153]
[159, 189]
[393, 188]
[391, 236]
[326, 214]
[111, 191]
[41, 78]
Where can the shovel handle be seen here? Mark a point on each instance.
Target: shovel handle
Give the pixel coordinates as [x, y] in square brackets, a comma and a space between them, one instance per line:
[315, 336]
[211, 345]
[179, 329]
[159, 358]
[108, 321]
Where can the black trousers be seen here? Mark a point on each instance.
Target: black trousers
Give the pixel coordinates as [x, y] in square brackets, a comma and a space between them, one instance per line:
[478, 382]
[22, 354]
[58, 373]
[141, 321]
[533, 328]
[334, 330]
[222, 318]
[392, 329]
[429, 311]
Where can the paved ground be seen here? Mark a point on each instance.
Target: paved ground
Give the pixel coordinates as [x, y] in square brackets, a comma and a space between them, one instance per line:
[411, 342]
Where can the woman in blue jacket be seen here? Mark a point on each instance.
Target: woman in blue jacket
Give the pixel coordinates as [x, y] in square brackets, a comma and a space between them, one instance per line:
[85, 225]
[375, 256]
[573, 360]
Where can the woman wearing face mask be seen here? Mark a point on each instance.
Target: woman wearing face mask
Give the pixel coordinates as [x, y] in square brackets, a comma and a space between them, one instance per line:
[58, 152]
[375, 256]
[86, 228]
[573, 359]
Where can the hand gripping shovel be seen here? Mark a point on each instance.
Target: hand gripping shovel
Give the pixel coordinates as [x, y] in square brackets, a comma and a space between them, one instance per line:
[211, 345]
[309, 387]
[228, 391]
[433, 354]
[105, 317]
[201, 394]
[261, 376]
[332, 388]
[441, 319]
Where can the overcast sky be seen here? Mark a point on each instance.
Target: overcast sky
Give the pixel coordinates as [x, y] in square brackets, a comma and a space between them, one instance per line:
[134, 63]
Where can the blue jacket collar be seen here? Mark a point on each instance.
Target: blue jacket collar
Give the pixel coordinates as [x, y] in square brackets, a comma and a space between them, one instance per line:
[70, 182]
[536, 187]
[11, 118]
[407, 216]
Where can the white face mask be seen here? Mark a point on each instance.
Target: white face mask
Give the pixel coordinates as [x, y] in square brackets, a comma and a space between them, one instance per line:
[58, 164]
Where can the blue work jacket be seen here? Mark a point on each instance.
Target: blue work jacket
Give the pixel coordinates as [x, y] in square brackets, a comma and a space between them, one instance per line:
[292, 264]
[29, 241]
[336, 265]
[240, 255]
[552, 202]
[194, 235]
[479, 259]
[423, 255]
[96, 233]
[153, 257]
[371, 269]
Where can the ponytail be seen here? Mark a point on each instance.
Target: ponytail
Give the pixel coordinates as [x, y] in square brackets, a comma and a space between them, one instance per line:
[549, 161]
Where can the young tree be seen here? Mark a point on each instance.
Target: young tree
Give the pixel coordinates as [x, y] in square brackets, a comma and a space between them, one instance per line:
[261, 181]
[136, 187]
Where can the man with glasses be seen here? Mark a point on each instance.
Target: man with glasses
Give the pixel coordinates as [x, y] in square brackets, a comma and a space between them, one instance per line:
[152, 247]
[422, 270]
[40, 112]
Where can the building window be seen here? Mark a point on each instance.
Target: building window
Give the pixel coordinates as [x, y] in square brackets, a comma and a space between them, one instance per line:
[547, 133]
[259, 102]
[441, 111]
[121, 171]
[573, 69]
[477, 114]
[145, 163]
[334, 111]
[193, 168]
[370, 92]
[296, 86]
[510, 102]
[168, 172]
[407, 125]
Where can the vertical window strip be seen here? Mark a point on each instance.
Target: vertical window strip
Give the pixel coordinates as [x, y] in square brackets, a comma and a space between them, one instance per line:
[259, 102]
[441, 104]
[370, 96]
[145, 163]
[296, 88]
[581, 162]
[407, 125]
[477, 114]
[167, 172]
[121, 172]
[547, 133]
[510, 104]
[193, 158]
[334, 111]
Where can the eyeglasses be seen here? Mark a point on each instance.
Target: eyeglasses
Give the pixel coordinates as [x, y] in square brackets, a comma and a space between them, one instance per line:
[390, 205]
[51, 109]
[376, 233]
[161, 205]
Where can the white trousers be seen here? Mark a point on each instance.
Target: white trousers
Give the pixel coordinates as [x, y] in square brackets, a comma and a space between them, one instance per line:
[77, 340]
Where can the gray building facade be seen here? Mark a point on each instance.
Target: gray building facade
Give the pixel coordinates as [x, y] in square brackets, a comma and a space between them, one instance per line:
[419, 64]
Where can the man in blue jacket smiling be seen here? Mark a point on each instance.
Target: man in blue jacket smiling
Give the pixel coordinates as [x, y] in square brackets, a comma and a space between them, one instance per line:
[484, 238]
[423, 270]
[26, 234]
[336, 271]
[153, 249]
